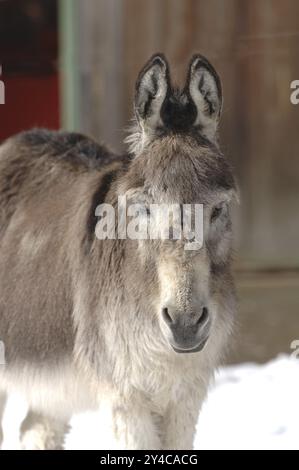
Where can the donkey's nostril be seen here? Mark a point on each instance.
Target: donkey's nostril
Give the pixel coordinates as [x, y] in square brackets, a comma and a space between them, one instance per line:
[203, 317]
[167, 318]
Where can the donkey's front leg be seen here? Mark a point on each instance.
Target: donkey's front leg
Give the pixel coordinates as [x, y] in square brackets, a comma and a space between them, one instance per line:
[129, 424]
[3, 399]
[179, 424]
[39, 432]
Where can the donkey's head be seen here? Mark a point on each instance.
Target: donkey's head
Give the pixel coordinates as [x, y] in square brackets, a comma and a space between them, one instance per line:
[177, 164]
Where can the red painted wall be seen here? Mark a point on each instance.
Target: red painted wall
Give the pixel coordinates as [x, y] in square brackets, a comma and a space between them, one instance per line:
[29, 101]
[29, 59]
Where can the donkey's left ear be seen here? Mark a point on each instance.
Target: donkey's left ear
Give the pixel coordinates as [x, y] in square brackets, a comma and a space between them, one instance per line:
[203, 87]
[152, 87]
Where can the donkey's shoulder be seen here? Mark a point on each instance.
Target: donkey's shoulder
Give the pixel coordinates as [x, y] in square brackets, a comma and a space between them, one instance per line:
[72, 147]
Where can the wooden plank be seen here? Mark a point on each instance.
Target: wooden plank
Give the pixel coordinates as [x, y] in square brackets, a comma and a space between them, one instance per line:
[68, 50]
[101, 70]
[270, 170]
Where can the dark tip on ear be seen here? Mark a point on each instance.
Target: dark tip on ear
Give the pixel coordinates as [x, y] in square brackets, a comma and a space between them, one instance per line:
[156, 59]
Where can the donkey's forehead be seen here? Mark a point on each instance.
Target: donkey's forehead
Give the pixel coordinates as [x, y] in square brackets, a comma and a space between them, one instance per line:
[185, 168]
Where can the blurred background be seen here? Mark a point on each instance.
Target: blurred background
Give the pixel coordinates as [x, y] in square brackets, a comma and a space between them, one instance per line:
[73, 64]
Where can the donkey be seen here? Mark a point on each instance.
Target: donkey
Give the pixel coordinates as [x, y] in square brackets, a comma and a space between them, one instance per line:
[133, 328]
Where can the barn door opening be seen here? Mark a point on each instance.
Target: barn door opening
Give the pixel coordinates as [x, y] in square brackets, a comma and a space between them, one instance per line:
[29, 60]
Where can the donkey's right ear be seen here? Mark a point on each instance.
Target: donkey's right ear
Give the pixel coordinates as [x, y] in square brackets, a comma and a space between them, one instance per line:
[152, 87]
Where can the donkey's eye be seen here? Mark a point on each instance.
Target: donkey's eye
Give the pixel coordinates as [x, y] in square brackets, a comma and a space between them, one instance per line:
[217, 211]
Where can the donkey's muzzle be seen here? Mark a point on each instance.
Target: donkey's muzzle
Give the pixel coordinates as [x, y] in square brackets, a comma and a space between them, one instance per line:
[188, 333]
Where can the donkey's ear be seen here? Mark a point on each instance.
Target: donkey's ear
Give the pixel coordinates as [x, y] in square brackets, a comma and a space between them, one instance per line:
[203, 87]
[152, 87]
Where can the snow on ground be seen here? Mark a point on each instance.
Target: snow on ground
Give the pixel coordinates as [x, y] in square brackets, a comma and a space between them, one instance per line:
[249, 407]
[253, 407]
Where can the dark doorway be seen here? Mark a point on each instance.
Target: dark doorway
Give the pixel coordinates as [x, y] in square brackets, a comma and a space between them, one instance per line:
[29, 60]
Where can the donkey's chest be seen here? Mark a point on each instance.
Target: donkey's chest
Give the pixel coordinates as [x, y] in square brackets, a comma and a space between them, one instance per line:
[162, 382]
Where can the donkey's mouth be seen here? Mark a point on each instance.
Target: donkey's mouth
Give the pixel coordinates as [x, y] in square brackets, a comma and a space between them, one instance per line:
[195, 349]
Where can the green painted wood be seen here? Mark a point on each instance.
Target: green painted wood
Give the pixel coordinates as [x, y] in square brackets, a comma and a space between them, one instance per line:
[69, 64]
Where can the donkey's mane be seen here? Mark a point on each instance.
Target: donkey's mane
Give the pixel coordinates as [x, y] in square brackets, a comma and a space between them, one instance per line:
[135, 138]
[72, 147]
